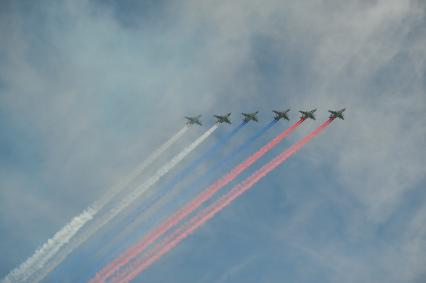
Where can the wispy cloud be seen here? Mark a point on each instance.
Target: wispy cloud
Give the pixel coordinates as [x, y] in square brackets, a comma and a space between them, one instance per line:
[79, 79]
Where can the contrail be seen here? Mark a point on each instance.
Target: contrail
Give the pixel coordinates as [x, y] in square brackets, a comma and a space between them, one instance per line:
[241, 148]
[207, 213]
[138, 171]
[208, 154]
[167, 191]
[63, 236]
[162, 199]
[128, 200]
[38, 259]
[188, 208]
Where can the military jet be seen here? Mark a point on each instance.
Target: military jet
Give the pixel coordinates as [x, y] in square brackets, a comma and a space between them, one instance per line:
[193, 120]
[281, 115]
[337, 114]
[308, 114]
[250, 116]
[223, 118]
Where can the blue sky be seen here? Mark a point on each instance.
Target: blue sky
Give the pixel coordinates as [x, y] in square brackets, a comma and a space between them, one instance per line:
[89, 88]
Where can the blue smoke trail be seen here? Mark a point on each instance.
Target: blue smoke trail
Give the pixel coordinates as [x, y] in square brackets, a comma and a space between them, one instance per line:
[156, 194]
[206, 178]
[208, 154]
[183, 173]
[220, 164]
[203, 180]
[199, 183]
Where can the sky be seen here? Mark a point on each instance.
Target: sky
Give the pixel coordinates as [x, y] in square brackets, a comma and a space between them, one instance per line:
[89, 88]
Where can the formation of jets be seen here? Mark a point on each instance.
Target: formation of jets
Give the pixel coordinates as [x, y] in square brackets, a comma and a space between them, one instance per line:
[247, 117]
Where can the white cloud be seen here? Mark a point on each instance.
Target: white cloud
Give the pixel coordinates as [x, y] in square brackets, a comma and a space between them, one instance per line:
[72, 75]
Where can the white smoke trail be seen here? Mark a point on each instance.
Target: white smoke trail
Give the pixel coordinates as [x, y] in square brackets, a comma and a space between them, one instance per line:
[49, 248]
[98, 205]
[63, 236]
[123, 204]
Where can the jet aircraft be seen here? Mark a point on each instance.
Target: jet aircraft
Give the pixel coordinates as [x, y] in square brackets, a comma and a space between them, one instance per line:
[250, 116]
[281, 115]
[337, 114]
[193, 120]
[308, 114]
[223, 118]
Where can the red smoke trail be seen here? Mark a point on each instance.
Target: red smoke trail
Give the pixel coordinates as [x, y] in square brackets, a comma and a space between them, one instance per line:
[199, 219]
[188, 208]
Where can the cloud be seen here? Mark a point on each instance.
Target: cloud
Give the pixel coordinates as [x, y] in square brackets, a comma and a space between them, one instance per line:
[93, 87]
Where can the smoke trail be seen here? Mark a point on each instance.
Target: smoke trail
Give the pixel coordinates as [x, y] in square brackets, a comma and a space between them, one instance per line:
[63, 236]
[203, 216]
[241, 148]
[200, 182]
[191, 206]
[98, 205]
[48, 249]
[194, 164]
[124, 203]
[166, 191]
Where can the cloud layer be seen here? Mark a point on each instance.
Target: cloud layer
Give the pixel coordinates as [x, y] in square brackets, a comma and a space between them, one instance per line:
[88, 88]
